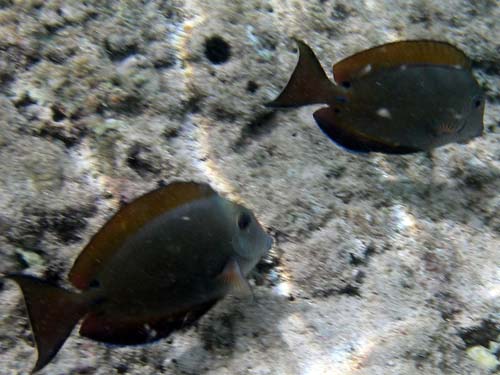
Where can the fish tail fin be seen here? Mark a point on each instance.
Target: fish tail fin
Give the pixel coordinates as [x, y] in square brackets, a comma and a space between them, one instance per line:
[53, 313]
[308, 83]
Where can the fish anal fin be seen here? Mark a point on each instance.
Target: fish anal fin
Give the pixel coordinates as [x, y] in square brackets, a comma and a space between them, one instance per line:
[308, 83]
[411, 52]
[53, 313]
[120, 330]
[351, 140]
[231, 276]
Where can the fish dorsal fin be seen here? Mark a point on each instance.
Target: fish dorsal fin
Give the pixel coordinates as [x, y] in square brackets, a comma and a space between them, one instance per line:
[397, 54]
[127, 221]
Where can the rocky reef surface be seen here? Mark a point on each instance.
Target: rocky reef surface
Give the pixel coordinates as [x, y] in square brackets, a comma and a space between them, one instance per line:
[381, 264]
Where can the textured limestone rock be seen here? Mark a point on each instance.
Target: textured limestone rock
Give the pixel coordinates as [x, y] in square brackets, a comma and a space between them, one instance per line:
[381, 265]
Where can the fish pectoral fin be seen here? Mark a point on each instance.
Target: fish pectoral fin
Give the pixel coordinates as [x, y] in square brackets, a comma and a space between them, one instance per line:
[231, 276]
[340, 132]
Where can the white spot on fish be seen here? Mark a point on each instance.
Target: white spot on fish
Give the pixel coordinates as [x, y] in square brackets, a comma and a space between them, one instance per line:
[185, 218]
[384, 112]
[403, 67]
[367, 69]
[150, 331]
[457, 116]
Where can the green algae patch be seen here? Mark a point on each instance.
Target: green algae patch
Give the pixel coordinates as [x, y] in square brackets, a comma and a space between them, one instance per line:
[483, 357]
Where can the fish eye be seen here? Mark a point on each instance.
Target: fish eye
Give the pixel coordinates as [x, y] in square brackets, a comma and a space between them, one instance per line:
[346, 84]
[244, 220]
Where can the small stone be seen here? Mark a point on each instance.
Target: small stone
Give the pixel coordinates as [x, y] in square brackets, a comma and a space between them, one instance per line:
[483, 357]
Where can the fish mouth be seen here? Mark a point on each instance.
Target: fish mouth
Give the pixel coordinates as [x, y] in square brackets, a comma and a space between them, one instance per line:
[269, 242]
[471, 138]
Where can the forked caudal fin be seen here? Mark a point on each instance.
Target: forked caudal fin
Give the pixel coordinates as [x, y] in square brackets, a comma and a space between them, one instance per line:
[53, 313]
[308, 83]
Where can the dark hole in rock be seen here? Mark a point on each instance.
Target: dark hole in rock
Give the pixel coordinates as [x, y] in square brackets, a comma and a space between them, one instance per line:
[139, 159]
[350, 290]
[340, 12]
[70, 136]
[267, 264]
[482, 335]
[260, 125]
[120, 51]
[252, 87]
[490, 67]
[217, 50]
[131, 103]
[193, 104]
[359, 276]
[52, 29]
[171, 132]
[86, 370]
[370, 250]
[355, 260]
[57, 114]
[6, 3]
[68, 223]
[24, 101]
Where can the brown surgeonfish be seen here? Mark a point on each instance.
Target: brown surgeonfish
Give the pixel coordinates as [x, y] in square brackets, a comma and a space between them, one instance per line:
[397, 98]
[156, 266]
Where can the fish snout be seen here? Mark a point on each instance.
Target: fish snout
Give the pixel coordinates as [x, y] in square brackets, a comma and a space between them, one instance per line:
[477, 134]
[269, 242]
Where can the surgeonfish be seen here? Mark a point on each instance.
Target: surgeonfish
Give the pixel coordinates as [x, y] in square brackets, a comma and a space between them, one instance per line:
[156, 266]
[397, 98]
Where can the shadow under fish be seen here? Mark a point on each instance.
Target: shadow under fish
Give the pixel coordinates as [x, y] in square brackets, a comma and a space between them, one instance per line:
[156, 266]
[397, 98]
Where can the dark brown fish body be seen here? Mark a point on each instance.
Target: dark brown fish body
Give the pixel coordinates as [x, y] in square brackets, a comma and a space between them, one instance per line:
[159, 264]
[173, 263]
[396, 106]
